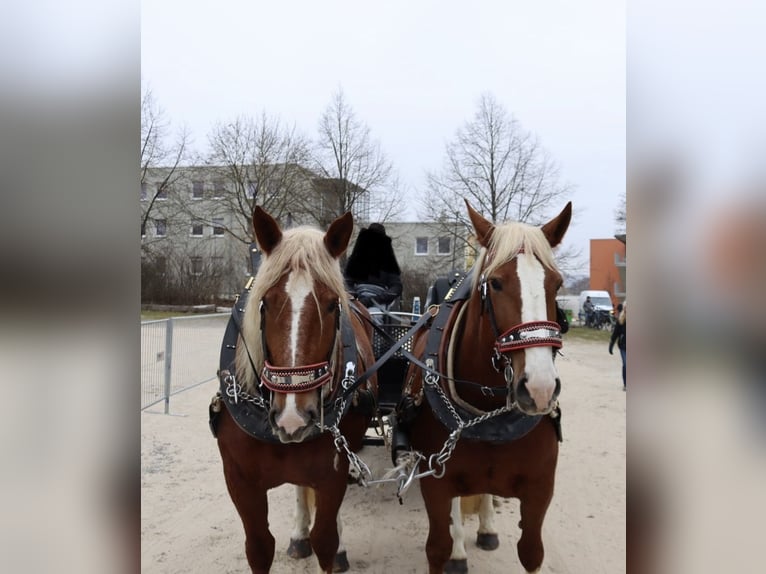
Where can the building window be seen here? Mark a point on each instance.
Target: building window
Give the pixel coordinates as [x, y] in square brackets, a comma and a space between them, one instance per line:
[198, 189]
[197, 228]
[162, 191]
[219, 189]
[444, 246]
[196, 265]
[144, 191]
[250, 189]
[160, 227]
[218, 226]
[421, 246]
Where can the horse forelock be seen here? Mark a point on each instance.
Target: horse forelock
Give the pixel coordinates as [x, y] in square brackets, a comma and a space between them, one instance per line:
[507, 240]
[301, 248]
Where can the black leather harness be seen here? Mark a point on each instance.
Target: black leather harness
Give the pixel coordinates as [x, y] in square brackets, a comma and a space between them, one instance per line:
[501, 428]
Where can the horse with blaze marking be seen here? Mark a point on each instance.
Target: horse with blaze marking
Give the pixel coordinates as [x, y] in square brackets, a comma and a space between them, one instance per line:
[283, 392]
[494, 341]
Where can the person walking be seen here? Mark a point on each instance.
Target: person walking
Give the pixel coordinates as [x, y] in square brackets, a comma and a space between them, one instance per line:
[589, 309]
[618, 336]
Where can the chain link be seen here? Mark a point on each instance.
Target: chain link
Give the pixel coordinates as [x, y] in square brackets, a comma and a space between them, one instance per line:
[364, 474]
[234, 391]
[404, 475]
[437, 462]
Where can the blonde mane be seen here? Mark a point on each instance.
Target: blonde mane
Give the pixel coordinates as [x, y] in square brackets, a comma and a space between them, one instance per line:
[505, 243]
[300, 248]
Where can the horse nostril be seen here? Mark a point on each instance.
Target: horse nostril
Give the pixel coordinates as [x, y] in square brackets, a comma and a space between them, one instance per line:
[312, 416]
[557, 389]
[522, 392]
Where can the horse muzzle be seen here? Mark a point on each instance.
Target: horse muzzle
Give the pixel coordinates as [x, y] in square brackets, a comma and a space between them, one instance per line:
[293, 425]
[536, 400]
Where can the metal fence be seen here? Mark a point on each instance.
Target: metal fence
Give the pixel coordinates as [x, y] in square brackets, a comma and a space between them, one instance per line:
[177, 354]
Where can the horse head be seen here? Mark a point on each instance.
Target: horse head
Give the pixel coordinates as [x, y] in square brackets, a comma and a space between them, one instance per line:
[516, 292]
[300, 295]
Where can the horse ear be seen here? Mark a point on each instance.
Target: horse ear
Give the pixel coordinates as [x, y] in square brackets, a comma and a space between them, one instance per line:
[267, 231]
[482, 227]
[339, 234]
[555, 229]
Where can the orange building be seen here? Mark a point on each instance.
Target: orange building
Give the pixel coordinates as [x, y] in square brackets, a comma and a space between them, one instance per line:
[608, 267]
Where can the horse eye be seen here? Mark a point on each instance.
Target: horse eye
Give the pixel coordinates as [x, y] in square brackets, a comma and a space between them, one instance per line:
[496, 285]
[332, 306]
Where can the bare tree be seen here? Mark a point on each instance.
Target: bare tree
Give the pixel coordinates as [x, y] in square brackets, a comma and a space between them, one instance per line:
[620, 215]
[355, 174]
[262, 161]
[500, 168]
[159, 157]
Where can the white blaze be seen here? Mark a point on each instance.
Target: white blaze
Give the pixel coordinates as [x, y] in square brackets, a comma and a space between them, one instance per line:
[298, 288]
[539, 368]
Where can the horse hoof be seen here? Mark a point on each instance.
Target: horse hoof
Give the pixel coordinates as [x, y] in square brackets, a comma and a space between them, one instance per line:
[341, 562]
[487, 541]
[299, 548]
[456, 566]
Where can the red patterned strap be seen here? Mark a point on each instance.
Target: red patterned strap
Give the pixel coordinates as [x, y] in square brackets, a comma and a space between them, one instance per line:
[532, 334]
[300, 379]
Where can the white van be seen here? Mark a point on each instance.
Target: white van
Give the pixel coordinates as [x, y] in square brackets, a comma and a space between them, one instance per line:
[600, 300]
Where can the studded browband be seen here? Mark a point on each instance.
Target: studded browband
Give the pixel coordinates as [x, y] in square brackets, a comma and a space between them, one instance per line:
[295, 379]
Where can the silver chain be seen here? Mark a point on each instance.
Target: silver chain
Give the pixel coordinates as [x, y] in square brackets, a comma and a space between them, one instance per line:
[437, 462]
[364, 474]
[234, 391]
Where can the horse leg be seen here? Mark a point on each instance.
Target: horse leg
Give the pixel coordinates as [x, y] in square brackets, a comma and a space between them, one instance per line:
[487, 539]
[300, 546]
[530, 546]
[439, 542]
[458, 560]
[325, 537]
[253, 509]
[341, 558]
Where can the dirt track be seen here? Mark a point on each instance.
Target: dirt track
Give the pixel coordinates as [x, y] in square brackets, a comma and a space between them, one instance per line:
[190, 525]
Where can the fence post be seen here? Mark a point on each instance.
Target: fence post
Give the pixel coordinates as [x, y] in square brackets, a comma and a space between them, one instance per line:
[168, 361]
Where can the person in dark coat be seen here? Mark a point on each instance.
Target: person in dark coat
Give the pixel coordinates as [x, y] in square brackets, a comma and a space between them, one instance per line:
[618, 336]
[372, 262]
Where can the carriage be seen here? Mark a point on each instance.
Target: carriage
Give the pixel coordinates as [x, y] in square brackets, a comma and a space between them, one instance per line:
[468, 391]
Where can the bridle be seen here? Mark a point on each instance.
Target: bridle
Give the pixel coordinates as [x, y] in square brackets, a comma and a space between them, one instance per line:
[521, 336]
[299, 378]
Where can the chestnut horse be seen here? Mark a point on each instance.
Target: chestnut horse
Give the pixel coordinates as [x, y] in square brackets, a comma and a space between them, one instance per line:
[287, 417]
[482, 418]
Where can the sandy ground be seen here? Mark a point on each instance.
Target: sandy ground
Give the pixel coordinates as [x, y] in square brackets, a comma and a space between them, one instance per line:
[189, 523]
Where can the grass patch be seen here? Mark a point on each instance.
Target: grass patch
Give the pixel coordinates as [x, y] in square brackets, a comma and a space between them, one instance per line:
[587, 334]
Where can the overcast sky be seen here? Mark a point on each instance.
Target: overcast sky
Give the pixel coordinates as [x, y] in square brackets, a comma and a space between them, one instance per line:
[413, 72]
